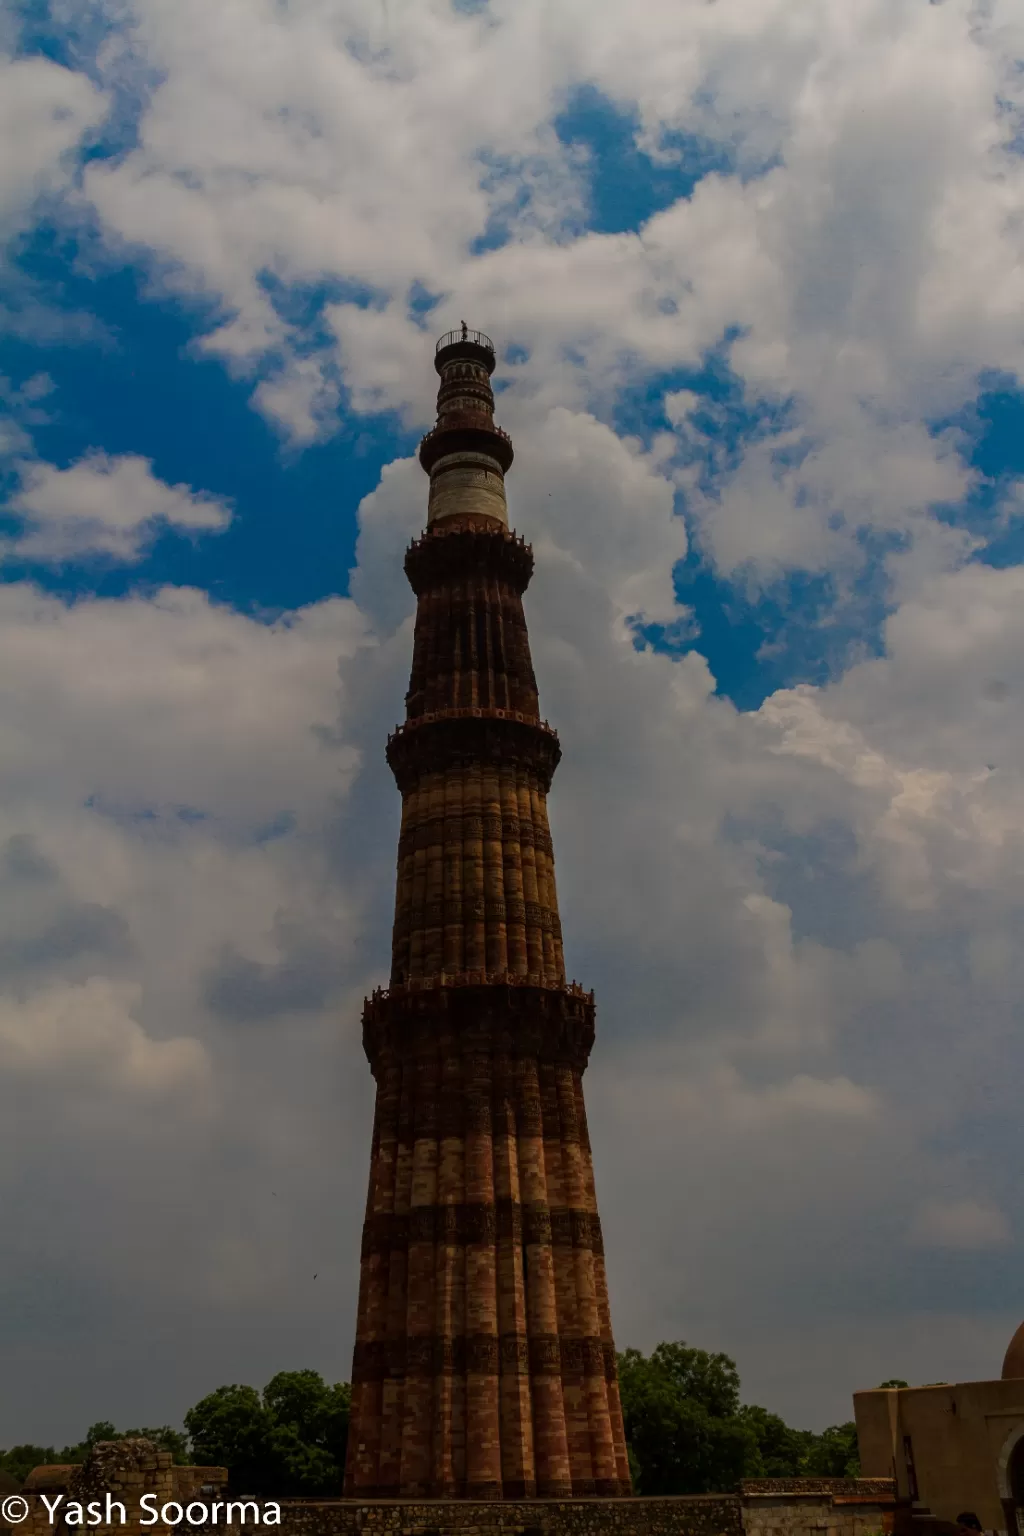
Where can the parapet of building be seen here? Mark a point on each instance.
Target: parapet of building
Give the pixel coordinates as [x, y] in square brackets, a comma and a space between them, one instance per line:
[953, 1449]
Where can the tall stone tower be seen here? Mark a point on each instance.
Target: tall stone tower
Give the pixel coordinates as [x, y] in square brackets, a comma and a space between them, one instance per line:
[484, 1364]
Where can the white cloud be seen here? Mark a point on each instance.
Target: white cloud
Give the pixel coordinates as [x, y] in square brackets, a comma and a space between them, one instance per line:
[971, 1225]
[88, 1035]
[174, 941]
[801, 921]
[787, 916]
[104, 506]
[44, 112]
[871, 270]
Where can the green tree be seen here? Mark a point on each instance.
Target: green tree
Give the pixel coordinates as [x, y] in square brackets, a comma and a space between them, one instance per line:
[20, 1460]
[687, 1433]
[310, 1430]
[230, 1428]
[103, 1429]
[289, 1441]
[711, 1380]
[834, 1453]
[681, 1412]
[780, 1450]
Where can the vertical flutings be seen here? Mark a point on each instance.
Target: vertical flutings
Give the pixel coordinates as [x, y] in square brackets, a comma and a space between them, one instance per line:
[518, 1472]
[417, 1417]
[388, 1480]
[551, 1449]
[483, 1452]
[449, 1451]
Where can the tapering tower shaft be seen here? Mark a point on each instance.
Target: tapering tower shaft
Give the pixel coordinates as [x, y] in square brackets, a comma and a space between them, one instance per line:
[484, 1361]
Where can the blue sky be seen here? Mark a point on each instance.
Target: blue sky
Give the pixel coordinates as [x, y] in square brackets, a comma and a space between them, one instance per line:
[133, 382]
[756, 289]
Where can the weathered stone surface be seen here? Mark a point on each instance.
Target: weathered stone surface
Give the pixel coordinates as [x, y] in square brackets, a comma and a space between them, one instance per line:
[700, 1515]
[125, 1470]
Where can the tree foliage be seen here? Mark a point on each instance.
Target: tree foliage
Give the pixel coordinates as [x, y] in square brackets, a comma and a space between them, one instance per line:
[780, 1451]
[681, 1412]
[21, 1459]
[834, 1453]
[289, 1441]
[688, 1432]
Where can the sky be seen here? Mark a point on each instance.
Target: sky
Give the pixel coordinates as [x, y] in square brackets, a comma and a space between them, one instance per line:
[755, 275]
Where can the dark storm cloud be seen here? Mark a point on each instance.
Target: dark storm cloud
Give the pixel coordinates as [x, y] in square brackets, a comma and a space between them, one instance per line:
[238, 989]
[42, 926]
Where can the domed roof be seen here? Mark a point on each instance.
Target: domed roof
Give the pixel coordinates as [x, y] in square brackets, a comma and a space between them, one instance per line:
[1013, 1365]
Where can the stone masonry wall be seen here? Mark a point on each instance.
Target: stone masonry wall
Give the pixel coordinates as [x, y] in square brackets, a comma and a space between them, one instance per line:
[818, 1506]
[812, 1487]
[700, 1515]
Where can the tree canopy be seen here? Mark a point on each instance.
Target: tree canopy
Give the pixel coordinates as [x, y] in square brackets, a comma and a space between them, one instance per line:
[20, 1459]
[290, 1440]
[688, 1432]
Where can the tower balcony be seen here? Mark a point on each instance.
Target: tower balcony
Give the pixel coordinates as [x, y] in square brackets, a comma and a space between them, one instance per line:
[442, 738]
[519, 1015]
[464, 434]
[464, 343]
[459, 547]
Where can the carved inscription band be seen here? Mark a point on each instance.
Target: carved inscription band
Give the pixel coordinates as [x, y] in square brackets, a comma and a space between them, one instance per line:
[425, 1356]
[455, 1226]
[515, 1488]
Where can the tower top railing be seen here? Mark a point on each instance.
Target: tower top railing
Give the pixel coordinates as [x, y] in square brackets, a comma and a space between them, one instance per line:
[452, 339]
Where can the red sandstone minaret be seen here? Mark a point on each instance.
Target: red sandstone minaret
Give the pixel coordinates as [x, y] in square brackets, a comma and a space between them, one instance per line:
[484, 1363]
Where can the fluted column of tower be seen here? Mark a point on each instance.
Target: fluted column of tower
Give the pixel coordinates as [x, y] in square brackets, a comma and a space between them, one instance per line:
[484, 1361]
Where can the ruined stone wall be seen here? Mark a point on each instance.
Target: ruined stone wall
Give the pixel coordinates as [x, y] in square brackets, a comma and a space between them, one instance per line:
[124, 1470]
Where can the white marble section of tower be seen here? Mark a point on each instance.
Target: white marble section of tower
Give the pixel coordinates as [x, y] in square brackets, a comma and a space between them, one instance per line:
[465, 454]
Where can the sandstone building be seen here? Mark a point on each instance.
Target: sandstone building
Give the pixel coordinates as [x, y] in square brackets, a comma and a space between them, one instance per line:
[952, 1448]
[484, 1363]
